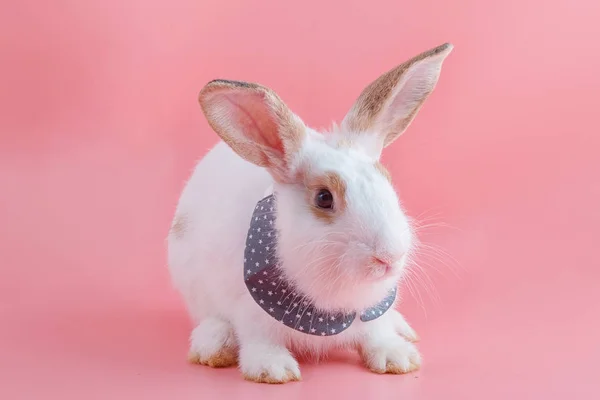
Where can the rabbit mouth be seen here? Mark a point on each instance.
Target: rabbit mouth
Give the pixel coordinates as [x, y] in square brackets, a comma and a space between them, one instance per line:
[380, 272]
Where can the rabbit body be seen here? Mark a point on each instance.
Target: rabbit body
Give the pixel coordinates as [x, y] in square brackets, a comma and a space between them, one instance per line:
[343, 237]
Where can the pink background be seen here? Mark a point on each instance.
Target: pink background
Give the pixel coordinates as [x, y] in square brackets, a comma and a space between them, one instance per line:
[100, 127]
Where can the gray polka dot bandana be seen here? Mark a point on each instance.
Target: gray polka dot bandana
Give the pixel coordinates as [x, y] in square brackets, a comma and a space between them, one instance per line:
[279, 298]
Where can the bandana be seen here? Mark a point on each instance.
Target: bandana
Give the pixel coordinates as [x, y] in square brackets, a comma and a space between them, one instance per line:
[278, 297]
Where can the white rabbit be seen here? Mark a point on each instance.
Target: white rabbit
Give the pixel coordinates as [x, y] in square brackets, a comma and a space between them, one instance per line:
[342, 238]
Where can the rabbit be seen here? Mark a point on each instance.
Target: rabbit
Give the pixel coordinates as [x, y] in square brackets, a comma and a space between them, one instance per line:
[342, 237]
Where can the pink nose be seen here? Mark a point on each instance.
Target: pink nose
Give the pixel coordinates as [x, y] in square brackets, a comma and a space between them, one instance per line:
[380, 266]
[386, 260]
[383, 262]
[380, 261]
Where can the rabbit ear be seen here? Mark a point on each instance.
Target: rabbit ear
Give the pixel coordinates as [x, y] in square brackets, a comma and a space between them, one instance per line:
[254, 122]
[389, 104]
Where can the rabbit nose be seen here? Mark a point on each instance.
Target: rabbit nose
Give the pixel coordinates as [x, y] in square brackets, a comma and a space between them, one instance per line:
[387, 260]
[382, 265]
[380, 261]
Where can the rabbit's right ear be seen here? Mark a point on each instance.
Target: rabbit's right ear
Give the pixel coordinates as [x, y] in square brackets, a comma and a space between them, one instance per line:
[255, 123]
[387, 106]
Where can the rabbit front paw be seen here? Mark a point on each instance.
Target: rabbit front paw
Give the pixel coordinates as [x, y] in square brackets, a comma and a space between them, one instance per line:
[265, 363]
[395, 355]
[213, 343]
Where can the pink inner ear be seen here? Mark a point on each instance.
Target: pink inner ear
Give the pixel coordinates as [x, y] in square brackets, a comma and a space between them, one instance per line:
[254, 117]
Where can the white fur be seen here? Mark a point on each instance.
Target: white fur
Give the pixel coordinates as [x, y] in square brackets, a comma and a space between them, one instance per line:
[330, 263]
[206, 264]
[211, 336]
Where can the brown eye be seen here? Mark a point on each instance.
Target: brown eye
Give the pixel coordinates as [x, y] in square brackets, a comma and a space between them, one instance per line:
[324, 199]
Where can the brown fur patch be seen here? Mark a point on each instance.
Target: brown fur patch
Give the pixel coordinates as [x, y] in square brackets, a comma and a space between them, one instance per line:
[273, 134]
[392, 368]
[383, 171]
[179, 226]
[372, 99]
[332, 182]
[266, 378]
[225, 357]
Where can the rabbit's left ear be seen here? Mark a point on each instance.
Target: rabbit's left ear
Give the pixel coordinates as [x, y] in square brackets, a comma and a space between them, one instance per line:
[389, 104]
[255, 123]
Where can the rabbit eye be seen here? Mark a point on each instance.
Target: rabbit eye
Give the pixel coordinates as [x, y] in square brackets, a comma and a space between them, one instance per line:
[324, 199]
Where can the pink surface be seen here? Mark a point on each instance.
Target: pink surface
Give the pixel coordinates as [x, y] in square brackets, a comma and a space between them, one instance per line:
[100, 127]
